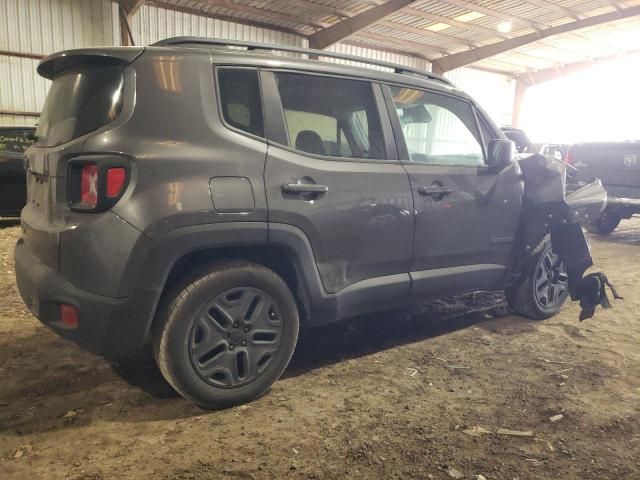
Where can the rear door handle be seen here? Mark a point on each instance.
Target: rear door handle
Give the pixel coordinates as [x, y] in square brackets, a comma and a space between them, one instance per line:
[304, 188]
[435, 191]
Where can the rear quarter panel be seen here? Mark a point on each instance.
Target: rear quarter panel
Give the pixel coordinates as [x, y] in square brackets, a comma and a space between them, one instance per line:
[177, 143]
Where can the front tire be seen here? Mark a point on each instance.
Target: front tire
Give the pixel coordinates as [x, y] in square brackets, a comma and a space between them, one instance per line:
[543, 288]
[227, 334]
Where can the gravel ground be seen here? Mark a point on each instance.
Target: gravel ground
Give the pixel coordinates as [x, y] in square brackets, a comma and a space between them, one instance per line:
[408, 394]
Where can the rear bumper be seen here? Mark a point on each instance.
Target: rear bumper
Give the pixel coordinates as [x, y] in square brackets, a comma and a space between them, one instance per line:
[107, 326]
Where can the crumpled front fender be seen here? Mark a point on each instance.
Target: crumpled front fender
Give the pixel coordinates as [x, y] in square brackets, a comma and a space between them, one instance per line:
[549, 210]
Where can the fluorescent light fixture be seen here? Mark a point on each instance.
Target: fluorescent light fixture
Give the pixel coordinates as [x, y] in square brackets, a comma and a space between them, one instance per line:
[504, 27]
[470, 16]
[437, 27]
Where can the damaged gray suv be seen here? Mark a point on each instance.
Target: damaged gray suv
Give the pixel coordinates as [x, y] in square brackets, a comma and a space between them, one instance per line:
[213, 200]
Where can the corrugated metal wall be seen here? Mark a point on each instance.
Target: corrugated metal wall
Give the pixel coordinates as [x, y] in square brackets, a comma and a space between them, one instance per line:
[40, 27]
[45, 26]
[493, 91]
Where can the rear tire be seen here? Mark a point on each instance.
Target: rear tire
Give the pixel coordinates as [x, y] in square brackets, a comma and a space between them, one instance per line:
[227, 334]
[606, 223]
[543, 287]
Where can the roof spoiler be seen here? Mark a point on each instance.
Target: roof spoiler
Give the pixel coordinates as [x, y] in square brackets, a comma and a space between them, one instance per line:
[52, 65]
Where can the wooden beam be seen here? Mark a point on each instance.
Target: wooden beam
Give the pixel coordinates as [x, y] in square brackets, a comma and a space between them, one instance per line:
[19, 112]
[464, 58]
[343, 29]
[9, 53]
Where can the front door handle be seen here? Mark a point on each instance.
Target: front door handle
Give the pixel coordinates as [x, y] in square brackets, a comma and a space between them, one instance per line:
[435, 191]
[297, 188]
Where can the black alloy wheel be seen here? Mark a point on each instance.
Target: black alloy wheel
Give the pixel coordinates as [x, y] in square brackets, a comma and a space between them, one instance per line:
[226, 333]
[235, 337]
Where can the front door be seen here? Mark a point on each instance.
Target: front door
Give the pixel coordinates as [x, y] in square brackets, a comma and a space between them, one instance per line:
[332, 174]
[466, 214]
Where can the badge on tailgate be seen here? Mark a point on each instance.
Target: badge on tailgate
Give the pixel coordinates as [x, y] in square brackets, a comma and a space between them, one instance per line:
[630, 159]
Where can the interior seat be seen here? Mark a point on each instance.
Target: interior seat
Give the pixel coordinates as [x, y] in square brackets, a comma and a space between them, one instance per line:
[310, 142]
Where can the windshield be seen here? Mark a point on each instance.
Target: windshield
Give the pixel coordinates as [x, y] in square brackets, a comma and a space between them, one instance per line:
[80, 101]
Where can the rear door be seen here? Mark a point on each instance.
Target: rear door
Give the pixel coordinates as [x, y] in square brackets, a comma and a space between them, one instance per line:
[466, 214]
[333, 174]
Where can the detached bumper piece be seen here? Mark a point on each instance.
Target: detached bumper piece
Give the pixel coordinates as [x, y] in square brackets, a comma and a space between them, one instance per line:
[549, 210]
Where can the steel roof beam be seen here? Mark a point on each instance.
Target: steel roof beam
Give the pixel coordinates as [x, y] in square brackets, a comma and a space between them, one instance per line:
[347, 27]
[559, 71]
[461, 59]
[130, 6]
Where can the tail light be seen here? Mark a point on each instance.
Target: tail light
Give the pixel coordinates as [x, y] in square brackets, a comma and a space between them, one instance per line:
[116, 178]
[89, 186]
[68, 316]
[96, 183]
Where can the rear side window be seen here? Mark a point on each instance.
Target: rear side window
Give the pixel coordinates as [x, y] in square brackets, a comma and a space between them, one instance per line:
[331, 117]
[240, 99]
[15, 140]
[438, 129]
[80, 101]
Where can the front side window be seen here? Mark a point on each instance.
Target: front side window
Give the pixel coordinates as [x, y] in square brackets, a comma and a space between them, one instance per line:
[331, 117]
[240, 99]
[438, 129]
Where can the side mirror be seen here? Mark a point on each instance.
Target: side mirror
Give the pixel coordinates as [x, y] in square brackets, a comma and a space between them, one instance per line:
[500, 152]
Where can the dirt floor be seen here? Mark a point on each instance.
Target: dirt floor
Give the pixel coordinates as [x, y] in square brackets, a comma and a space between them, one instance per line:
[411, 394]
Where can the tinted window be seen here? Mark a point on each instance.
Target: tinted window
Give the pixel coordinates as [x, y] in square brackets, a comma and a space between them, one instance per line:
[79, 102]
[240, 97]
[15, 140]
[438, 129]
[330, 116]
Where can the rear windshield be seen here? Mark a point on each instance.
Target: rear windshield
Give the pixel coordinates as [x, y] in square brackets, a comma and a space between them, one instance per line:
[15, 140]
[80, 101]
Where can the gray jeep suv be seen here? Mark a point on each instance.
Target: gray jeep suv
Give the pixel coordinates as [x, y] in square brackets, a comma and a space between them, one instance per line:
[211, 200]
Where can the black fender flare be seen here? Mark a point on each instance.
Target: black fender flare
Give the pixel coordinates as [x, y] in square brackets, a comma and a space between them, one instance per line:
[174, 245]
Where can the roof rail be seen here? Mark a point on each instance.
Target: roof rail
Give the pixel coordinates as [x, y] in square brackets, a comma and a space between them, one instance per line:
[176, 41]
